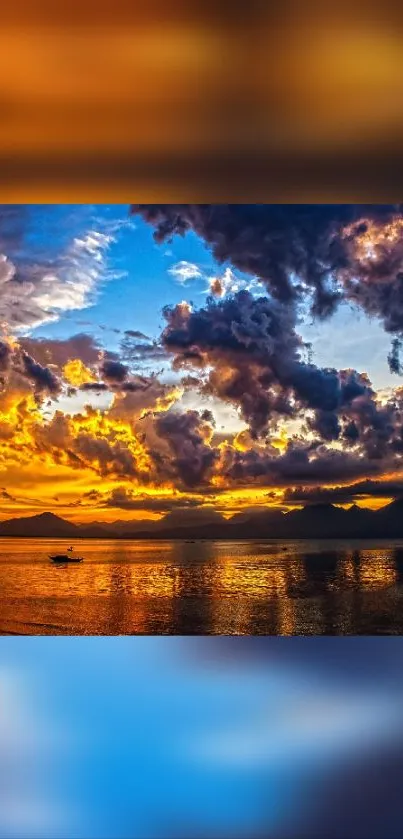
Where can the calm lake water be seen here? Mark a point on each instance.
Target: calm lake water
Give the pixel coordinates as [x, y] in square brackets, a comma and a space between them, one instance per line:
[225, 588]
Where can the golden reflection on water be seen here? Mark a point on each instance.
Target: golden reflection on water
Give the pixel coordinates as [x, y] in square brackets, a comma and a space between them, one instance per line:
[376, 569]
[252, 580]
[202, 588]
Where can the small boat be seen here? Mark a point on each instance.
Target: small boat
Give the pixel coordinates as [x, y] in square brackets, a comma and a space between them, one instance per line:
[66, 557]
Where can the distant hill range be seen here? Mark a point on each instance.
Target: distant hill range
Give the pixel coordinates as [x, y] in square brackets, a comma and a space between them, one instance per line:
[316, 521]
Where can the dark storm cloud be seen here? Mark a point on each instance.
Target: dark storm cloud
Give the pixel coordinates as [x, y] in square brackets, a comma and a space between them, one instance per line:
[351, 433]
[347, 397]
[5, 356]
[249, 346]
[363, 422]
[286, 245]
[113, 371]
[16, 363]
[250, 354]
[344, 494]
[376, 428]
[190, 458]
[42, 378]
[326, 425]
[373, 277]
[306, 463]
[269, 241]
[394, 361]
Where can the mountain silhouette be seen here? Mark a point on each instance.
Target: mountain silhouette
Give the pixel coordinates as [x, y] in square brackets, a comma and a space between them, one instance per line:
[44, 524]
[314, 521]
[51, 526]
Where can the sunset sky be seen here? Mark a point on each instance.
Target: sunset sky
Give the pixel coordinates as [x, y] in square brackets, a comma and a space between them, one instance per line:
[193, 359]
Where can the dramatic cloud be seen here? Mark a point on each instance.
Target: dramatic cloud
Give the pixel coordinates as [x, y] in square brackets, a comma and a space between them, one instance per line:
[344, 494]
[191, 457]
[394, 362]
[92, 441]
[249, 353]
[141, 396]
[147, 445]
[373, 276]
[271, 241]
[306, 463]
[244, 342]
[17, 363]
[113, 371]
[166, 449]
[330, 252]
[42, 378]
[142, 440]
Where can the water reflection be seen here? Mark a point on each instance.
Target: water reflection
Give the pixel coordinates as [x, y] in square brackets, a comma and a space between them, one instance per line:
[239, 588]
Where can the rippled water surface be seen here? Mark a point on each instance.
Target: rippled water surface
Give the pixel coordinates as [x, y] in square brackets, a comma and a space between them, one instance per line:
[231, 588]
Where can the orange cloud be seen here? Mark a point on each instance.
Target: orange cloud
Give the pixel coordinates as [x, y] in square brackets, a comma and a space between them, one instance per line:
[76, 373]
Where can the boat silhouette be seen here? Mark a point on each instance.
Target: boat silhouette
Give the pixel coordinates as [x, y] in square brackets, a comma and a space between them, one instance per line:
[67, 557]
